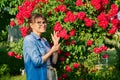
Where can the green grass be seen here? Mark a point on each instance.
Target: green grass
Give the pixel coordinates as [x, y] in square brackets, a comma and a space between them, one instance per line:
[18, 77]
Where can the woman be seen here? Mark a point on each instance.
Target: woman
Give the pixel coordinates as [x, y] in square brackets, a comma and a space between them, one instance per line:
[37, 51]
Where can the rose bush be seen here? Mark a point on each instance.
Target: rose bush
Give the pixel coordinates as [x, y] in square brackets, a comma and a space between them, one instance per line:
[83, 26]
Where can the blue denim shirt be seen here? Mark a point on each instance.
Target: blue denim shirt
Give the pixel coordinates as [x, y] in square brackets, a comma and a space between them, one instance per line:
[33, 49]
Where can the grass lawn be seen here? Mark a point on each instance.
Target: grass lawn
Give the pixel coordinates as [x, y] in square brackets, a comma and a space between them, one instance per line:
[18, 77]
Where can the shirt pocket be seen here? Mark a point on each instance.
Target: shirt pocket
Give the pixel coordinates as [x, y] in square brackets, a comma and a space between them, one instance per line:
[41, 48]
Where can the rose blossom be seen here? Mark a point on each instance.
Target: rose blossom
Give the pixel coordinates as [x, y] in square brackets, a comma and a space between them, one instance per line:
[12, 23]
[11, 53]
[89, 42]
[23, 31]
[97, 50]
[105, 56]
[76, 65]
[68, 68]
[78, 2]
[64, 75]
[18, 56]
[72, 32]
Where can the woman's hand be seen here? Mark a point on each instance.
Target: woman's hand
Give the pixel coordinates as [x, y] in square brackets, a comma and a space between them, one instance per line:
[55, 48]
[55, 38]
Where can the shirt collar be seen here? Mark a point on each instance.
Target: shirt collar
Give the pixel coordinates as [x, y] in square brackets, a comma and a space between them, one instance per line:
[35, 36]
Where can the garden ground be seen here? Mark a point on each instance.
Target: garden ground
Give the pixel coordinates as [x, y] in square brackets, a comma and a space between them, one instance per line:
[18, 77]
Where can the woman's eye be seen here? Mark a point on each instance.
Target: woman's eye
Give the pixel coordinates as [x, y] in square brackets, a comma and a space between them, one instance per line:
[38, 22]
[44, 22]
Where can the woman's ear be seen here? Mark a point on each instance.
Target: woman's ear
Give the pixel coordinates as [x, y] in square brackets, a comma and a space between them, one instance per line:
[31, 25]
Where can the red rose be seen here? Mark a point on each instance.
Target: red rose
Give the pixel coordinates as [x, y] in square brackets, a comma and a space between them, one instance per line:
[81, 15]
[103, 48]
[56, 9]
[97, 50]
[20, 21]
[20, 18]
[78, 3]
[73, 42]
[70, 17]
[72, 32]
[57, 26]
[62, 33]
[97, 6]
[11, 53]
[64, 75]
[76, 65]
[26, 14]
[112, 30]
[89, 42]
[23, 31]
[12, 23]
[102, 17]
[49, 13]
[62, 59]
[105, 56]
[66, 37]
[114, 9]
[66, 19]
[115, 22]
[103, 24]
[67, 54]
[88, 22]
[59, 51]
[67, 43]
[59, 78]
[105, 2]
[18, 56]
[68, 68]
[62, 8]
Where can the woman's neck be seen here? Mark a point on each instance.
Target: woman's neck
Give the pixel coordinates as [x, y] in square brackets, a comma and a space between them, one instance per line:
[38, 34]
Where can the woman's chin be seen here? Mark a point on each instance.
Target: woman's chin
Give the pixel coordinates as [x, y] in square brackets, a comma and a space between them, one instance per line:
[43, 31]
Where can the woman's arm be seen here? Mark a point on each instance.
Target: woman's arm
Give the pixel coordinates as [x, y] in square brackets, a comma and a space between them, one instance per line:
[55, 58]
[51, 51]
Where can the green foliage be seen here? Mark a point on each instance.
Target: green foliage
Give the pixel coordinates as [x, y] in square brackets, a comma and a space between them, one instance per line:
[79, 52]
[4, 69]
[16, 46]
[8, 9]
[10, 6]
[8, 64]
[4, 20]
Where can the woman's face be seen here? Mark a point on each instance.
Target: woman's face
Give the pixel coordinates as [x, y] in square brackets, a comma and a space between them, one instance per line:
[39, 25]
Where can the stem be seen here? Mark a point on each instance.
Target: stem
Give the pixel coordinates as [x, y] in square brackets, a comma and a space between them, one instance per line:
[99, 60]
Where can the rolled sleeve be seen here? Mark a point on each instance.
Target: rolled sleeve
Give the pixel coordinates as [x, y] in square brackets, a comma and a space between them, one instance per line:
[35, 56]
[32, 51]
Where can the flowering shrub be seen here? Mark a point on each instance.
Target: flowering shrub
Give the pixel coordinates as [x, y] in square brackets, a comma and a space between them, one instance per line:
[15, 49]
[83, 26]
